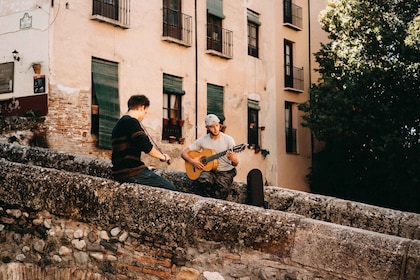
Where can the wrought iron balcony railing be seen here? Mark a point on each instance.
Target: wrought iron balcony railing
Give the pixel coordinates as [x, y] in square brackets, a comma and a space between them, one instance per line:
[295, 81]
[116, 12]
[177, 27]
[219, 41]
[291, 140]
[293, 15]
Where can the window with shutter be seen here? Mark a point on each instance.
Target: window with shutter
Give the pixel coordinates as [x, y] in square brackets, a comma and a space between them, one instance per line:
[105, 95]
[215, 101]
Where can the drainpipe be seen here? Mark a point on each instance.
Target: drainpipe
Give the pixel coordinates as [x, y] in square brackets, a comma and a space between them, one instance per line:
[310, 78]
[196, 70]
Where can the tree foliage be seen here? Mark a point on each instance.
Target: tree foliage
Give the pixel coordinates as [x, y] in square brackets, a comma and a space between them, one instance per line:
[366, 105]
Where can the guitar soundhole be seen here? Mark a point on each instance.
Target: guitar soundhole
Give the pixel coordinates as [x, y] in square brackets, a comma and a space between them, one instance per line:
[204, 161]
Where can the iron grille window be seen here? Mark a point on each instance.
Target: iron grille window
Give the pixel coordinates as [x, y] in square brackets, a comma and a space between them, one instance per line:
[106, 8]
[292, 13]
[293, 76]
[214, 33]
[116, 12]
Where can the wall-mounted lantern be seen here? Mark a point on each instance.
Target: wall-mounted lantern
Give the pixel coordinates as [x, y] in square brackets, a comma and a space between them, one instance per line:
[16, 55]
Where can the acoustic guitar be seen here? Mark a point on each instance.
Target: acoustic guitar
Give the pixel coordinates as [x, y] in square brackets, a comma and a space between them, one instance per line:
[208, 158]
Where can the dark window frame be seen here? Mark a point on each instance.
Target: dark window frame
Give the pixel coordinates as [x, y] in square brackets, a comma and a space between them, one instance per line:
[7, 77]
[253, 125]
[290, 131]
[106, 8]
[172, 121]
[288, 63]
[253, 47]
[172, 19]
[214, 33]
[253, 33]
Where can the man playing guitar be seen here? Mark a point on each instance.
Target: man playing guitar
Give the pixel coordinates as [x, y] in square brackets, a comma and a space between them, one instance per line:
[214, 182]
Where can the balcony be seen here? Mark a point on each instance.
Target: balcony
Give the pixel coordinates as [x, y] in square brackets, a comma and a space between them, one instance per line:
[291, 140]
[116, 12]
[219, 41]
[295, 81]
[293, 15]
[177, 27]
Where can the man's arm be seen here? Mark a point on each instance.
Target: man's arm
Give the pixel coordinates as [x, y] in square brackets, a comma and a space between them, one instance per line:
[194, 161]
[232, 157]
[157, 154]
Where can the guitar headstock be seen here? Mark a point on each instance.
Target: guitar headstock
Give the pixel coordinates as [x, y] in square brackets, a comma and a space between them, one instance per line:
[239, 148]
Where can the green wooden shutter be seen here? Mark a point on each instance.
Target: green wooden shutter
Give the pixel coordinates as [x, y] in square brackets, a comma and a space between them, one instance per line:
[105, 81]
[253, 17]
[215, 101]
[172, 84]
[215, 7]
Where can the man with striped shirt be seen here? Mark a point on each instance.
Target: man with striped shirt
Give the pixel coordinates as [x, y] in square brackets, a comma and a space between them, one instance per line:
[129, 140]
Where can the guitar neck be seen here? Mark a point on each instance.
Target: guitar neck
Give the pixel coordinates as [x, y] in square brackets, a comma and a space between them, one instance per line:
[215, 156]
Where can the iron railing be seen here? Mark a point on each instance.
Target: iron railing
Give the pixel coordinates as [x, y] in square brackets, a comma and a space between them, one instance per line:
[177, 25]
[291, 140]
[293, 14]
[220, 40]
[113, 11]
[296, 80]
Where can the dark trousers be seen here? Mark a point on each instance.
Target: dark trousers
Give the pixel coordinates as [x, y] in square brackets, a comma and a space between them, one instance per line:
[216, 184]
[150, 178]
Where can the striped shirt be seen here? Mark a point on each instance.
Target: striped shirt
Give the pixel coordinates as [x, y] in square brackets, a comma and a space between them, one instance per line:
[128, 142]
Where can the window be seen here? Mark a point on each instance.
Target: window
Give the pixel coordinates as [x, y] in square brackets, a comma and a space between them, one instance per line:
[172, 107]
[214, 33]
[113, 11]
[105, 100]
[291, 132]
[253, 125]
[253, 24]
[292, 15]
[293, 76]
[219, 40]
[288, 63]
[215, 101]
[177, 27]
[106, 8]
[7, 72]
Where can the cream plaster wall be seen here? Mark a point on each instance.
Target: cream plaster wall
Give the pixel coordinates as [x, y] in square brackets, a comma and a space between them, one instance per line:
[31, 43]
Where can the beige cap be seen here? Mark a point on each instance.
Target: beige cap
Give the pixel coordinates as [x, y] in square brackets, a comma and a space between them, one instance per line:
[211, 119]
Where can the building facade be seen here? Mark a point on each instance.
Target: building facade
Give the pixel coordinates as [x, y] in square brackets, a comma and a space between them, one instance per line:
[247, 61]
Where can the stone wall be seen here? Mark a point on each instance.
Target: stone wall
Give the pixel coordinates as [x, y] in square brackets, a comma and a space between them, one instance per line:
[62, 217]
[319, 207]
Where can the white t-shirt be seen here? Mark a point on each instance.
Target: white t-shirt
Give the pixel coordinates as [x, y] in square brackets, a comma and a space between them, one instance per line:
[223, 143]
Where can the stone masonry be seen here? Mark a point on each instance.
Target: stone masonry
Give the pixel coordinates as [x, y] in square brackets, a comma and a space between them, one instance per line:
[62, 217]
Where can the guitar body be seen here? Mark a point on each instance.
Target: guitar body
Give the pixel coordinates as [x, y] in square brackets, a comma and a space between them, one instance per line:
[192, 172]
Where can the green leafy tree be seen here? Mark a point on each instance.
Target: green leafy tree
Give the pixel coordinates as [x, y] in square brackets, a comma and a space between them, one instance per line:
[365, 108]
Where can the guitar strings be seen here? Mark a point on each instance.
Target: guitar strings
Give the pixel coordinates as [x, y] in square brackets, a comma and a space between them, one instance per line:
[153, 141]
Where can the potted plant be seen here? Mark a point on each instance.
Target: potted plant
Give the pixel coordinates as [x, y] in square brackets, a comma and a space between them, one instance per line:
[37, 67]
